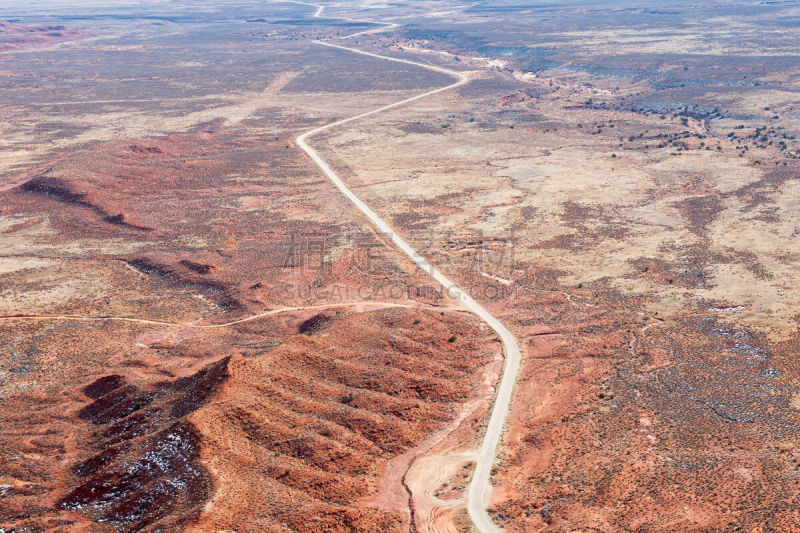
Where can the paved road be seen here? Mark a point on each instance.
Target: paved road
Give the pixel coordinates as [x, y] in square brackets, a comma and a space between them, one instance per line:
[480, 487]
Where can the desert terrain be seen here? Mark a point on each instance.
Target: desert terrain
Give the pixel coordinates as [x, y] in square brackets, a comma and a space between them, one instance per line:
[200, 332]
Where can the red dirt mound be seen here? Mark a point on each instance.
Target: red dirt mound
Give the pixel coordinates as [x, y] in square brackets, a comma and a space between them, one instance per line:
[13, 36]
[309, 425]
[145, 469]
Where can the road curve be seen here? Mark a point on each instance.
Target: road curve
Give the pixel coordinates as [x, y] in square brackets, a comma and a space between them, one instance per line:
[479, 490]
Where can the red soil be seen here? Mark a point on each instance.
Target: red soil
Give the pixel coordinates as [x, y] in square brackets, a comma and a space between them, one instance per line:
[13, 36]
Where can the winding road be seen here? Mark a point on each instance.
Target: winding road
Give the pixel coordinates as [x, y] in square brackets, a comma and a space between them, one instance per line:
[479, 491]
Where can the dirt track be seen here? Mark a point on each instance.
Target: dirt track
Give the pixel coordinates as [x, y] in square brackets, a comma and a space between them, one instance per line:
[479, 491]
[362, 304]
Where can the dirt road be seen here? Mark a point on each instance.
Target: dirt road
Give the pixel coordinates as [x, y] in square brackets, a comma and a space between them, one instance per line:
[480, 487]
